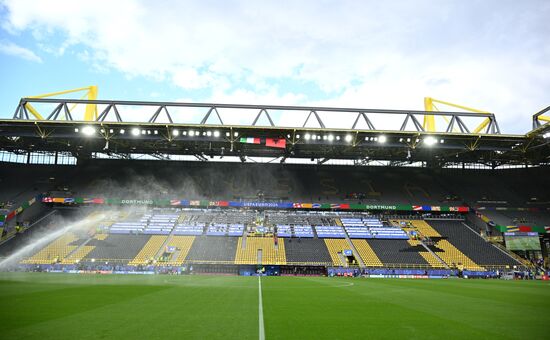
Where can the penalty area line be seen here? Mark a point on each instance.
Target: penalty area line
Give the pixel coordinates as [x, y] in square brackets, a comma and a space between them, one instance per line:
[260, 310]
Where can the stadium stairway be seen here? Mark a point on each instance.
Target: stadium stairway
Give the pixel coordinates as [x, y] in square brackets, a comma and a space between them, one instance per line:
[163, 246]
[149, 250]
[183, 245]
[78, 253]
[335, 246]
[352, 247]
[428, 255]
[514, 256]
[249, 253]
[368, 256]
[451, 255]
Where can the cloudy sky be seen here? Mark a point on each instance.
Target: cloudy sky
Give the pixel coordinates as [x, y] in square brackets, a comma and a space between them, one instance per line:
[490, 55]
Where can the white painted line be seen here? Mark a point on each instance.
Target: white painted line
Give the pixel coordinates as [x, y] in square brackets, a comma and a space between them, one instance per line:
[260, 310]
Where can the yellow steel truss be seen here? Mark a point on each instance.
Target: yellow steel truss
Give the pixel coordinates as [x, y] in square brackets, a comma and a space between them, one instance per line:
[90, 114]
[429, 120]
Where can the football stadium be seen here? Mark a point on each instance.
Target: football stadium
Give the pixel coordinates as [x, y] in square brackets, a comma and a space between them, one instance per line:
[433, 229]
[274, 170]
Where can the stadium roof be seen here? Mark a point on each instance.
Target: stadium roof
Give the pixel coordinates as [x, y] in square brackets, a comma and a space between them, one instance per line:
[409, 142]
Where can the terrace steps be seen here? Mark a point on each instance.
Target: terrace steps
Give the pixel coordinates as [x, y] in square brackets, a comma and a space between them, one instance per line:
[368, 256]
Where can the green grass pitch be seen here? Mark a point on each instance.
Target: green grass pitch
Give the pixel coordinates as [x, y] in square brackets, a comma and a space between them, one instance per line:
[65, 306]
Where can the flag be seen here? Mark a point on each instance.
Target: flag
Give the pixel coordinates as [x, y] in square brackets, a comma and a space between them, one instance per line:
[250, 140]
[275, 142]
[525, 228]
[175, 202]
[47, 200]
[417, 207]
[297, 205]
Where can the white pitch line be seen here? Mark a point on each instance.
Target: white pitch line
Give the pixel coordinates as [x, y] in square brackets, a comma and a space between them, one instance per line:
[260, 310]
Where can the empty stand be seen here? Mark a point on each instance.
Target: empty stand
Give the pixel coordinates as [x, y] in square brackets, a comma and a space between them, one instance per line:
[55, 251]
[396, 252]
[182, 244]
[307, 252]
[471, 244]
[451, 255]
[334, 247]
[120, 248]
[367, 254]
[271, 254]
[147, 253]
[206, 249]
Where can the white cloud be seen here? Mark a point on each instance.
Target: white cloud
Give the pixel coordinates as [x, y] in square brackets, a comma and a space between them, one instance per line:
[15, 50]
[491, 55]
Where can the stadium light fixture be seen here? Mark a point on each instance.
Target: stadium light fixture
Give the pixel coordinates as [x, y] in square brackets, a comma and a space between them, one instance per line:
[122, 131]
[209, 133]
[175, 133]
[235, 134]
[382, 139]
[135, 132]
[441, 141]
[348, 138]
[191, 133]
[430, 141]
[330, 138]
[307, 136]
[337, 137]
[88, 130]
[76, 130]
[546, 135]
[143, 132]
[216, 134]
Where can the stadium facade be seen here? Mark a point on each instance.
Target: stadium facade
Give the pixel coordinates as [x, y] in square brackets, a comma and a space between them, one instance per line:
[414, 200]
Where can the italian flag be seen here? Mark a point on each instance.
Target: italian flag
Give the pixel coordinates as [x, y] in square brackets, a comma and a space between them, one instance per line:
[250, 140]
